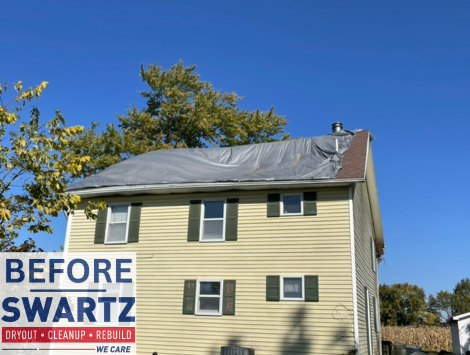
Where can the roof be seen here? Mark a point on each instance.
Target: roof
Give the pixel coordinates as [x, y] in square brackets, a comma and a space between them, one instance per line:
[355, 158]
[461, 316]
[334, 157]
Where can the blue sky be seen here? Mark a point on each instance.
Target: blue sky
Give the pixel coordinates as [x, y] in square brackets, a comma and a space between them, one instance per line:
[400, 69]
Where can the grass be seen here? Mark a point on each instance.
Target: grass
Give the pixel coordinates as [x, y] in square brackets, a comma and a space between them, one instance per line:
[428, 338]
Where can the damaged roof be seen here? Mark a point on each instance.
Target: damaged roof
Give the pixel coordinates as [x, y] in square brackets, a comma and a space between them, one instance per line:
[339, 156]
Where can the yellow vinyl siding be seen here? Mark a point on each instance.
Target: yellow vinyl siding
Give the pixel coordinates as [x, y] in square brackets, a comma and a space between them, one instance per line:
[363, 232]
[291, 246]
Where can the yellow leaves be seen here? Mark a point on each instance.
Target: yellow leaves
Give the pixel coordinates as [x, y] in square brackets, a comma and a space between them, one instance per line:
[18, 86]
[5, 214]
[38, 89]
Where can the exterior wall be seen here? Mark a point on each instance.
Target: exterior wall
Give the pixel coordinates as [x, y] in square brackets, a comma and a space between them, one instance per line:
[295, 246]
[365, 276]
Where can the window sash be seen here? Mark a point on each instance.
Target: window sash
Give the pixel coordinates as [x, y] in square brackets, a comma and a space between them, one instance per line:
[301, 205]
[106, 241]
[203, 219]
[199, 296]
[302, 288]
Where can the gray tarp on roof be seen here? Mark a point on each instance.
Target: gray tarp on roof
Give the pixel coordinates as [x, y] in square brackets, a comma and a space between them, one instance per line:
[296, 159]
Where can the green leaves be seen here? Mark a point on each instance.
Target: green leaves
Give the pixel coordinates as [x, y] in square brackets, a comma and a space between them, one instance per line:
[36, 165]
[182, 112]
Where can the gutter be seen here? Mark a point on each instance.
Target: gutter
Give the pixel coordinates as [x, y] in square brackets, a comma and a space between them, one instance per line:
[208, 187]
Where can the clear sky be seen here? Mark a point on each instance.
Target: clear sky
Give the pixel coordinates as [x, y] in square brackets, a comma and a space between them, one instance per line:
[398, 68]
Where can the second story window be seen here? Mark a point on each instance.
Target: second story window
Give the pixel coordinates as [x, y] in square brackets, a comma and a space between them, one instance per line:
[213, 221]
[118, 220]
[291, 205]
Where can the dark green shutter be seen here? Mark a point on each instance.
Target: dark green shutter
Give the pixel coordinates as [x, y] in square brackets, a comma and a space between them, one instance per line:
[228, 308]
[310, 203]
[273, 288]
[100, 229]
[231, 223]
[189, 297]
[134, 223]
[194, 223]
[274, 205]
[311, 289]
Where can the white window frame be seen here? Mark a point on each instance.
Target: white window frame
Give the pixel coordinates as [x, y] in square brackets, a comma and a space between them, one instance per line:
[368, 320]
[203, 209]
[108, 221]
[377, 315]
[374, 259]
[301, 204]
[290, 298]
[99, 306]
[205, 313]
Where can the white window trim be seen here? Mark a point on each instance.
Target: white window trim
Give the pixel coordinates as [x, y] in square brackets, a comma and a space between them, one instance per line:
[205, 313]
[368, 320]
[301, 194]
[374, 260]
[201, 230]
[108, 221]
[290, 298]
[102, 285]
[377, 315]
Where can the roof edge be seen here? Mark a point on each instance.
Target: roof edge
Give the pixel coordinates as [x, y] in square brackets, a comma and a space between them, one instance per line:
[369, 177]
[206, 187]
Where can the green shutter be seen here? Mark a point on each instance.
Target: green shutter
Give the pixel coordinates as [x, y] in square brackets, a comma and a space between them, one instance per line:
[100, 228]
[134, 223]
[273, 289]
[194, 222]
[189, 297]
[231, 223]
[274, 205]
[310, 203]
[228, 308]
[311, 289]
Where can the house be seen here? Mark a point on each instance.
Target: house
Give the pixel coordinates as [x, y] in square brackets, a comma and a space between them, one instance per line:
[460, 329]
[270, 246]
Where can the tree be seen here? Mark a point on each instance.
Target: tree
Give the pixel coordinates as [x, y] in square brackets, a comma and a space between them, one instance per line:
[181, 112]
[441, 305]
[402, 304]
[35, 167]
[448, 304]
[461, 297]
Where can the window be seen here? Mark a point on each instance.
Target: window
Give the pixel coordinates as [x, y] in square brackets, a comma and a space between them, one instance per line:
[113, 290]
[209, 297]
[213, 221]
[118, 220]
[372, 248]
[292, 288]
[291, 205]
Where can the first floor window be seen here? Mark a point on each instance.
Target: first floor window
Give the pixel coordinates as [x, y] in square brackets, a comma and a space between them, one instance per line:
[113, 290]
[213, 221]
[291, 205]
[292, 288]
[209, 297]
[118, 220]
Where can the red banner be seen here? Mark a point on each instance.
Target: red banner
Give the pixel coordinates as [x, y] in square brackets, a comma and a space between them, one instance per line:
[68, 335]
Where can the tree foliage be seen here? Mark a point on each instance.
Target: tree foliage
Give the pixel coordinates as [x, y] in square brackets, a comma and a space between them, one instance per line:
[449, 304]
[403, 304]
[181, 112]
[36, 165]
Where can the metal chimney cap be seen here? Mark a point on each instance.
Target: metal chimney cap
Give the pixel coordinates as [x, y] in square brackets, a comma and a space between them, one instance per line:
[337, 127]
